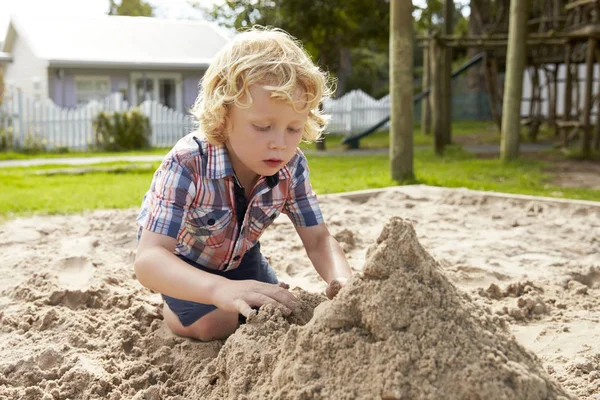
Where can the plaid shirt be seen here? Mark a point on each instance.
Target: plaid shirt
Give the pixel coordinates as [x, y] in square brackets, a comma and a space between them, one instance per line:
[191, 199]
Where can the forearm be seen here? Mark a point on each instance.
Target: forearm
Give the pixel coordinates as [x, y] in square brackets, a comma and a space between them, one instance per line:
[160, 270]
[329, 260]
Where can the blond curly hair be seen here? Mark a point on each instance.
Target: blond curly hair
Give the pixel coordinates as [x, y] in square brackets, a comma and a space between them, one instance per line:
[267, 56]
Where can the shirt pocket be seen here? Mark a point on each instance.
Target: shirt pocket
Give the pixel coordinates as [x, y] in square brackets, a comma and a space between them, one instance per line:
[261, 216]
[209, 226]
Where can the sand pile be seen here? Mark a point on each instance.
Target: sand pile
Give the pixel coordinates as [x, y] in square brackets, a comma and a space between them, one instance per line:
[401, 331]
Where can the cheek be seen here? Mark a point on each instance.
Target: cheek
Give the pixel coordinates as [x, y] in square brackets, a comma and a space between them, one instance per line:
[294, 140]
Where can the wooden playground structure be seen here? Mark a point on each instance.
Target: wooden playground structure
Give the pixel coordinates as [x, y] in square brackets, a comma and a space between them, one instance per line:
[559, 33]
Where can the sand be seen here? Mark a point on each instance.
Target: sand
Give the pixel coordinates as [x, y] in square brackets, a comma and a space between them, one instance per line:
[75, 324]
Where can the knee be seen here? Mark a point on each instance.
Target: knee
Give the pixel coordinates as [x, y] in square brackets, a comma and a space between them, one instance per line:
[214, 325]
[207, 329]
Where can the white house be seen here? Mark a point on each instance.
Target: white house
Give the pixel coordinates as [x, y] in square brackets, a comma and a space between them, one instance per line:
[73, 60]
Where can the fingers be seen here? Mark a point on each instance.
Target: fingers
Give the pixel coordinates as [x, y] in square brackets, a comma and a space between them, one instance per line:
[259, 299]
[284, 285]
[243, 308]
[282, 295]
[334, 287]
[274, 294]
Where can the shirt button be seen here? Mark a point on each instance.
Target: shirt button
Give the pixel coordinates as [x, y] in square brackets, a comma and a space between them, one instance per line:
[241, 198]
[236, 258]
[225, 265]
[273, 216]
[210, 221]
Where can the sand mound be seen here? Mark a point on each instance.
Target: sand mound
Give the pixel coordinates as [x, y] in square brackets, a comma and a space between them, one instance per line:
[399, 331]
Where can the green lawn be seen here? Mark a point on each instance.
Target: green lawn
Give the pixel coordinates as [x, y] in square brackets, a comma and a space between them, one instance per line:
[11, 155]
[24, 191]
[474, 132]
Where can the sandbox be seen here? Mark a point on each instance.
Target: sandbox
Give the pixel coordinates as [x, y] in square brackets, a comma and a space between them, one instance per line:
[74, 323]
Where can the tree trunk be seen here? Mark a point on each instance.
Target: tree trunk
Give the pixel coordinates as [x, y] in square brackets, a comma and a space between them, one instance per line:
[401, 88]
[513, 88]
[426, 102]
[476, 81]
[491, 80]
[343, 72]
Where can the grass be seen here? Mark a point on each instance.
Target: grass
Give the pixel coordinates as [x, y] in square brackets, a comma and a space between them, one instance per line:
[463, 132]
[11, 155]
[23, 191]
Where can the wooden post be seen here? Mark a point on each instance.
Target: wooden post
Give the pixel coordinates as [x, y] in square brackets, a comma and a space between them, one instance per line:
[577, 101]
[436, 100]
[568, 92]
[534, 104]
[401, 90]
[586, 142]
[513, 88]
[447, 73]
[597, 131]
[552, 78]
[426, 102]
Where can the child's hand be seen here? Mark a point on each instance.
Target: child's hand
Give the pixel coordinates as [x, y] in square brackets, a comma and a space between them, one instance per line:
[241, 296]
[334, 287]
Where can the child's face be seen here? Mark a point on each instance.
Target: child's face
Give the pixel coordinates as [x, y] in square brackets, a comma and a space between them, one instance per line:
[263, 137]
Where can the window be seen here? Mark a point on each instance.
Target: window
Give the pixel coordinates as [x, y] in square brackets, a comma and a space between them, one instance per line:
[88, 88]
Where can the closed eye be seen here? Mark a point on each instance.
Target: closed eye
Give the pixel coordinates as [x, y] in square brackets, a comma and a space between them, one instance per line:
[261, 128]
[294, 130]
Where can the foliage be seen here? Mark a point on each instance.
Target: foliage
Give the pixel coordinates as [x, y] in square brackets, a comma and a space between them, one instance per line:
[370, 71]
[431, 17]
[6, 138]
[122, 131]
[31, 144]
[330, 30]
[133, 8]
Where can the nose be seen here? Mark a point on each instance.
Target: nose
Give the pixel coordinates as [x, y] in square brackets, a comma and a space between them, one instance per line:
[277, 141]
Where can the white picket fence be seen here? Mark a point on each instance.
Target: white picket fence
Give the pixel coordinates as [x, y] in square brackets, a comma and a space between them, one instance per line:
[355, 112]
[34, 122]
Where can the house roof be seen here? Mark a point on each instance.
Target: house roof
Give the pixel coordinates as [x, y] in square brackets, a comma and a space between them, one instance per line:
[117, 41]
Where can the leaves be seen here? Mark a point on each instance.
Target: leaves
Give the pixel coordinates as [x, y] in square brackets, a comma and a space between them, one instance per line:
[133, 8]
[327, 28]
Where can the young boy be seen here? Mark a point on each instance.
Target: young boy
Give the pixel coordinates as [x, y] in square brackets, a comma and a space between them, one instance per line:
[219, 188]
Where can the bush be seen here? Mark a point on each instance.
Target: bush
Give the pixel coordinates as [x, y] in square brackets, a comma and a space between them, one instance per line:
[6, 139]
[33, 144]
[122, 131]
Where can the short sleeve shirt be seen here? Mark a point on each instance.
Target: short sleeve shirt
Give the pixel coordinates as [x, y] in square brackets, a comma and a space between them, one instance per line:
[192, 199]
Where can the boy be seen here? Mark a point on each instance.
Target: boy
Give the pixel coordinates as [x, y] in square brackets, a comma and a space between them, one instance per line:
[219, 188]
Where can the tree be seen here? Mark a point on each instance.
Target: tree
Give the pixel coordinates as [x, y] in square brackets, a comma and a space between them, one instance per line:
[330, 30]
[401, 89]
[133, 8]
[513, 87]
